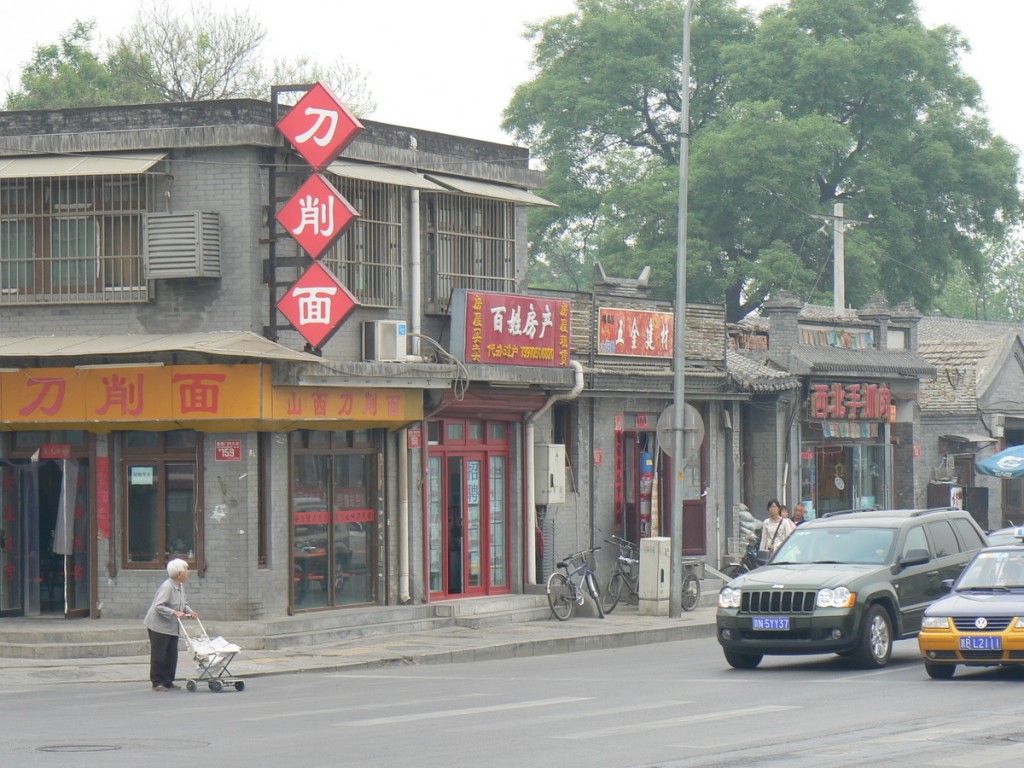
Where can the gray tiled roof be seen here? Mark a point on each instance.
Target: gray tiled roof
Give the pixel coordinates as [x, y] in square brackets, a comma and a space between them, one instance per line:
[806, 359]
[757, 377]
[955, 328]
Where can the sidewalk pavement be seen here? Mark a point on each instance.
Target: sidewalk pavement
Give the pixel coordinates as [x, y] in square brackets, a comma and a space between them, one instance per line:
[624, 627]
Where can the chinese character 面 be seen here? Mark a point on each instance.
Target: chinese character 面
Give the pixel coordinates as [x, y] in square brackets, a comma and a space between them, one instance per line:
[315, 304]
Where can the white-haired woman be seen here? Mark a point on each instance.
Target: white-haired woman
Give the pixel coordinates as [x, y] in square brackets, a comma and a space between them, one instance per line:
[168, 606]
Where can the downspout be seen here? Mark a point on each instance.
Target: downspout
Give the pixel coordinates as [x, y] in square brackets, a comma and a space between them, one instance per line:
[415, 298]
[531, 489]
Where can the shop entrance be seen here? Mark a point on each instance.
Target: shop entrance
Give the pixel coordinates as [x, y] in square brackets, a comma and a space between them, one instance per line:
[838, 477]
[44, 557]
[467, 495]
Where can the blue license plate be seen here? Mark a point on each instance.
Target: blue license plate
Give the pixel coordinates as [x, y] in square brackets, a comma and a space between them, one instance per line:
[771, 623]
[981, 643]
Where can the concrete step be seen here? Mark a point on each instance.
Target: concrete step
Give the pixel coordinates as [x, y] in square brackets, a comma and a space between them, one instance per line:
[50, 638]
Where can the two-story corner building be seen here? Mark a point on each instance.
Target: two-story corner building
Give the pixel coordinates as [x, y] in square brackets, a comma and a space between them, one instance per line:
[849, 437]
[155, 403]
[972, 408]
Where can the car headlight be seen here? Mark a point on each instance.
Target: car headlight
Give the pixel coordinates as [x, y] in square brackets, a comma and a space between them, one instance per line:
[729, 598]
[1019, 624]
[936, 622]
[840, 597]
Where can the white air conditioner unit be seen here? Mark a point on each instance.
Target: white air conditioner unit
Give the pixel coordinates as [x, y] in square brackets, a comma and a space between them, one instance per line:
[185, 244]
[385, 341]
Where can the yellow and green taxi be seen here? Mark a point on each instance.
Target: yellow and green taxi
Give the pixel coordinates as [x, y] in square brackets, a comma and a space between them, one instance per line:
[980, 623]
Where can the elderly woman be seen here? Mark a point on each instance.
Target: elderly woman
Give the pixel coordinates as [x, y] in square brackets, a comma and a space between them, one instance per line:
[168, 606]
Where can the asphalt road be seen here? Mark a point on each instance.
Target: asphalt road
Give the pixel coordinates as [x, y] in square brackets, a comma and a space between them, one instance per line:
[668, 705]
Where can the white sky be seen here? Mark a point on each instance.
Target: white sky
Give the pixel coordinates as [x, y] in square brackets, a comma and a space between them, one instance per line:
[452, 65]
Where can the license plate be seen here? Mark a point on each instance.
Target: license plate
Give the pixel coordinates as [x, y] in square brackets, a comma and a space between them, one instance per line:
[981, 643]
[776, 623]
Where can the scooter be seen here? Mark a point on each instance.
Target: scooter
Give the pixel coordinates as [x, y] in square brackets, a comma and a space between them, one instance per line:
[749, 560]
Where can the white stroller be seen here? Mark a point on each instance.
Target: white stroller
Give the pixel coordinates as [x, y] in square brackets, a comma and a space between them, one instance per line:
[212, 658]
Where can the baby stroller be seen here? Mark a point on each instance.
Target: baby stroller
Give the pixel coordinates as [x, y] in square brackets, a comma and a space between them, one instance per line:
[212, 657]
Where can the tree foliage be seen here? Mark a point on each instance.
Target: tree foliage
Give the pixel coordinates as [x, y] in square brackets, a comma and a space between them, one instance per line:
[811, 104]
[162, 56]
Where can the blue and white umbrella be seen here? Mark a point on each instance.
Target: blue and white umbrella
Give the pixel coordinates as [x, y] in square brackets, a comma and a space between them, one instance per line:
[1008, 463]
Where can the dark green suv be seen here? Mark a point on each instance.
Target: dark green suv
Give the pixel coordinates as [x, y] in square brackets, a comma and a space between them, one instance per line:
[849, 583]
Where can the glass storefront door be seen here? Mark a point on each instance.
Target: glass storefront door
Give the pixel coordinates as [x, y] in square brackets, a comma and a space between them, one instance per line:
[838, 477]
[467, 510]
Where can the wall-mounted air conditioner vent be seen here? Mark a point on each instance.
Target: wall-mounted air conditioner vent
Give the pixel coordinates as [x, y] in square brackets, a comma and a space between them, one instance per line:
[185, 244]
[385, 341]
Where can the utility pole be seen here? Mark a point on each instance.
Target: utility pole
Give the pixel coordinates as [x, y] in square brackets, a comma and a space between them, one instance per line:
[675, 609]
[840, 226]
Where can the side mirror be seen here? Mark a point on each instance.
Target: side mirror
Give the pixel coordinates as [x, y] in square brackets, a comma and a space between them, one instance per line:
[763, 556]
[947, 584]
[915, 557]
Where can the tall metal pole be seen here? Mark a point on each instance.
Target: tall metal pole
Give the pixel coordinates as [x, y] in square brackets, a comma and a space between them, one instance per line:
[838, 260]
[679, 341]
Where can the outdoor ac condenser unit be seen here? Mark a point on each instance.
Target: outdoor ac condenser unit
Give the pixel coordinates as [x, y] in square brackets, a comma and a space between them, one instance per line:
[385, 341]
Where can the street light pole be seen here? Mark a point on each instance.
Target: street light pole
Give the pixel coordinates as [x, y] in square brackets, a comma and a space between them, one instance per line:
[679, 459]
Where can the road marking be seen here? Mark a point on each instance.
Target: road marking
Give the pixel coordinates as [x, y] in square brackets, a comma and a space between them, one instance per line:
[354, 708]
[570, 713]
[462, 712]
[672, 722]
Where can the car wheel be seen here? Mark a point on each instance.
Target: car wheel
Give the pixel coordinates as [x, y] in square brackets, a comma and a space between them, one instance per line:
[940, 671]
[875, 646]
[742, 660]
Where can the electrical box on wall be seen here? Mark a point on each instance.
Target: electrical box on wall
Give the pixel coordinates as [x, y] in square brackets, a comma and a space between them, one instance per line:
[385, 341]
[549, 461]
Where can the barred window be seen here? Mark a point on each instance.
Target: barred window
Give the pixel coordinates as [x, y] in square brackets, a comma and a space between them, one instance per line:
[469, 243]
[368, 257]
[73, 239]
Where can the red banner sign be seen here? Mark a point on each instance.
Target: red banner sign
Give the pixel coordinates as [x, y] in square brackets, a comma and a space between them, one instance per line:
[508, 329]
[316, 304]
[316, 215]
[319, 126]
[635, 333]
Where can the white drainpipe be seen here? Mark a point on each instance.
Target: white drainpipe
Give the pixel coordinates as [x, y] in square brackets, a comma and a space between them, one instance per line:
[531, 489]
[415, 303]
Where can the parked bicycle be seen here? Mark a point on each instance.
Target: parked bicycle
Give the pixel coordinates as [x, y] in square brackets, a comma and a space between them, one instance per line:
[565, 586]
[624, 583]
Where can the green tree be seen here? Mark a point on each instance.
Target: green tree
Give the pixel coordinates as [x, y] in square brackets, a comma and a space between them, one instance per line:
[813, 103]
[162, 56]
[70, 73]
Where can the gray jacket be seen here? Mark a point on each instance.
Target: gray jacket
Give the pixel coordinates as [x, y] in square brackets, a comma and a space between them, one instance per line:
[170, 598]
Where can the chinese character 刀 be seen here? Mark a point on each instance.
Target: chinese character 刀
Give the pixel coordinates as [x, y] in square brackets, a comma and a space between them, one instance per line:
[322, 115]
[54, 387]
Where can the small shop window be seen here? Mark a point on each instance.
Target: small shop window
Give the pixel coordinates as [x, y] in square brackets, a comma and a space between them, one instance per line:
[161, 476]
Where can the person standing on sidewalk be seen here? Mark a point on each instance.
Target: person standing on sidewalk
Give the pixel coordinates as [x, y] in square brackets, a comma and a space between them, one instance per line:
[168, 606]
[775, 529]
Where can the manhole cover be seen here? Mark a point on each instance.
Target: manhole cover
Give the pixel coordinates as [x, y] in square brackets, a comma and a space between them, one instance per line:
[79, 748]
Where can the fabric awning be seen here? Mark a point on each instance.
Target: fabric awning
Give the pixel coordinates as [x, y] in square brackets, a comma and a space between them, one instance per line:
[221, 344]
[487, 189]
[400, 177]
[77, 165]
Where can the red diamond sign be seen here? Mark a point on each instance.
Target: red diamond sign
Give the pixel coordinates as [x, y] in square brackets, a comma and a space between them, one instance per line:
[316, 304]
[316, 215]
[319, 127]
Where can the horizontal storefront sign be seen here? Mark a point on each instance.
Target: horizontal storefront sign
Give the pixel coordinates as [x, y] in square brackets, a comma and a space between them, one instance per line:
[634, 333]
[508, 329]
[191, 394]
[847, 401]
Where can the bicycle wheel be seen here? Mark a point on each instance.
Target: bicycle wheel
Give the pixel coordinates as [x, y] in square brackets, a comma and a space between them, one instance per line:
[595, 592]
[560, 596]
[613, 593]
[691, 592]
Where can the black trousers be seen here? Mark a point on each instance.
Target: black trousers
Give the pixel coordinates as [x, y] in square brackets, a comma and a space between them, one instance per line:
[163, 658]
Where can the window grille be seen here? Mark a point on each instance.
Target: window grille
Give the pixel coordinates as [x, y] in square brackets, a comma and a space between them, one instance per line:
[368, 257]
[469, 243]
[74, 239]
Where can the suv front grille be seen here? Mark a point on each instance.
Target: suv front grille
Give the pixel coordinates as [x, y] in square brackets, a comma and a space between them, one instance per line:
[778, 601]
[995, 623]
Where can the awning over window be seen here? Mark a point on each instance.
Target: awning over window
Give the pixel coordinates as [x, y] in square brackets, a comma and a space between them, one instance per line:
[77, 165]
[968, 438]
[237, 344]
[382, 174]
[487, 189]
